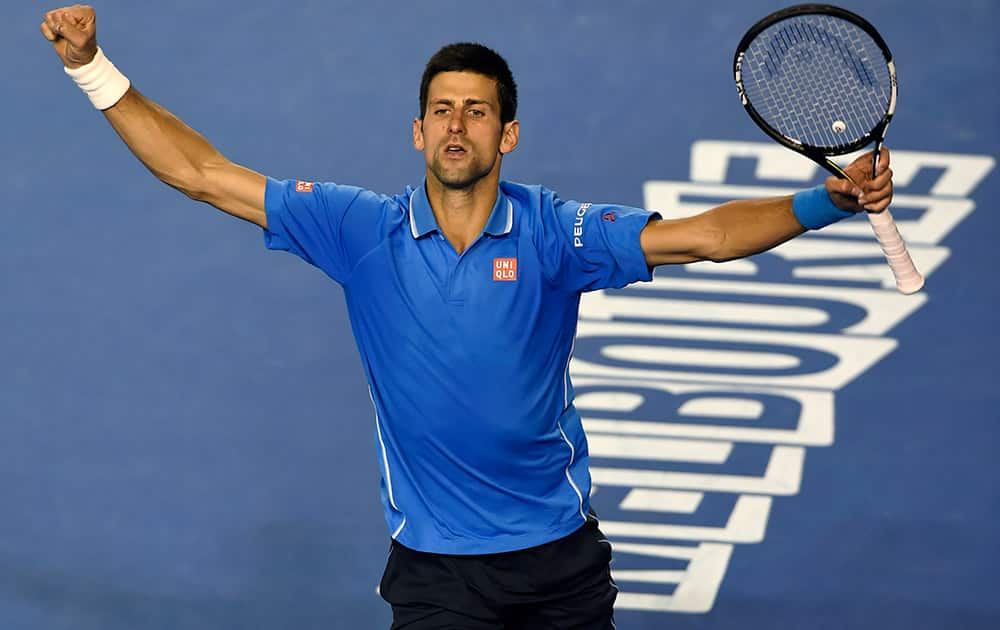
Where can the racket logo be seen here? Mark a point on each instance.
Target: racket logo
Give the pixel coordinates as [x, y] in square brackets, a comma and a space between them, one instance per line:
[803, 55]
[504, 269]
[739, 79]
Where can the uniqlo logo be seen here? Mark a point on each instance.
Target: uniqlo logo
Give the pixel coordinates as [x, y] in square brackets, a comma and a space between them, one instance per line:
[505, 269]
[303, 186]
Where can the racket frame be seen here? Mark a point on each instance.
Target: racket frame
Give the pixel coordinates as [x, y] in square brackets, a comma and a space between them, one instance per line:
[817, 154]
[908, 279]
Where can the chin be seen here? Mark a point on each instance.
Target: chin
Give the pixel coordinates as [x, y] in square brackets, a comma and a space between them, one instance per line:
[461, 177]
[458, 181]
[459, 184]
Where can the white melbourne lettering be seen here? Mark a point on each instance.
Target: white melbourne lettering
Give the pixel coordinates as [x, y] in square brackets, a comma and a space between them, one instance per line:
[578, 224]
[668, 385]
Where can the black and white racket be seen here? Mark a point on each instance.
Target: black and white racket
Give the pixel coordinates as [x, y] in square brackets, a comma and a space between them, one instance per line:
[820, 80]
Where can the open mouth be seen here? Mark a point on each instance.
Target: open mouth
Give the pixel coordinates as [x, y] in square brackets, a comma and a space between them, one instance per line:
[455, 150]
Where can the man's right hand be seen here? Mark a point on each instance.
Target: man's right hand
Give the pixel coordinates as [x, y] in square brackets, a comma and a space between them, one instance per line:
[73, 33]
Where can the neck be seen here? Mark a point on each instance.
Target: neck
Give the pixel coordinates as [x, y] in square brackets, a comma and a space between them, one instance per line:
[462, 213]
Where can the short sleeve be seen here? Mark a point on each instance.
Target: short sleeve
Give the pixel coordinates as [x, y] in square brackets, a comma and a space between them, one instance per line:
[328, 225]
[599, 244]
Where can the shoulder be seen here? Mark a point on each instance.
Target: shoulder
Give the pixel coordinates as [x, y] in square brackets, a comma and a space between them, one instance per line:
[533, 202]
[329, 193]
[356, 210]
[361, 202]
[528, 195]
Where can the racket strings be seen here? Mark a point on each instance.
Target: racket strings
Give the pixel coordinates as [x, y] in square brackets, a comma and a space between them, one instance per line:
[817, 79]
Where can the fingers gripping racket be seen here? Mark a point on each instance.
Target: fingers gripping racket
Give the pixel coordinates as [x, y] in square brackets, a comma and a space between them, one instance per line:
[820, 80]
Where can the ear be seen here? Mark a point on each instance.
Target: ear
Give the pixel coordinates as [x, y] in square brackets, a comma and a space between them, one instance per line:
[418, 134]
[509, 137]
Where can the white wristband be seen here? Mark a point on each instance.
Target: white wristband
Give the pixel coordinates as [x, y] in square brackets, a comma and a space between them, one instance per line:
[100, 80]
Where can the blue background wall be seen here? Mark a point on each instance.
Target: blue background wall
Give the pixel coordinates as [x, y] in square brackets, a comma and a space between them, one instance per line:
[185, 436]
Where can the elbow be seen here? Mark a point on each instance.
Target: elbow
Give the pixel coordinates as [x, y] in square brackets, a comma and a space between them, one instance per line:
[725, 254]
[197, 193]
[187, 180]
[688, 240]
[719, 246]
[192, 180]
[725, 240]
[728, 246]
[740, 229]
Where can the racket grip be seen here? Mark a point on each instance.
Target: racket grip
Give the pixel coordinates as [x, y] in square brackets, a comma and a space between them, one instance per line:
[908, 279]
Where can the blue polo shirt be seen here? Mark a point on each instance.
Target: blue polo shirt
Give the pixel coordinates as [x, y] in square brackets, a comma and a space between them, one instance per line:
[467, 356]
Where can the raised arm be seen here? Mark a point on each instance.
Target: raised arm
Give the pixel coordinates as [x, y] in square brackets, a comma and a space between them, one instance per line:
[742, 228]
[176, 154]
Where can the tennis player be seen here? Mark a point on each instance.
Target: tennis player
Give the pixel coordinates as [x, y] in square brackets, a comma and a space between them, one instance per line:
[463, 294]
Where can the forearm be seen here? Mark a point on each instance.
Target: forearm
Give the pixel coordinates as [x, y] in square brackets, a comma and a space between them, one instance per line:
[732, 230]
[174, 152]
[751, 226]
[180, 157]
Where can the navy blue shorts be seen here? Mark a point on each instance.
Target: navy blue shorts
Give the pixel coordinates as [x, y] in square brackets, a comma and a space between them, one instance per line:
[562, 585]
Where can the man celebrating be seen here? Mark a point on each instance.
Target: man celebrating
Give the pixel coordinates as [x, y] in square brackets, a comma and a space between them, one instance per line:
[463, 296]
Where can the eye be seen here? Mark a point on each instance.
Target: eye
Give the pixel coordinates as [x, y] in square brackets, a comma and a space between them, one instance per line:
[477, 113]
[441, 111]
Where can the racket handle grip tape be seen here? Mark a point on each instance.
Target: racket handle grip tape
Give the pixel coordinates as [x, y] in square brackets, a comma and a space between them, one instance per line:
[908, 279]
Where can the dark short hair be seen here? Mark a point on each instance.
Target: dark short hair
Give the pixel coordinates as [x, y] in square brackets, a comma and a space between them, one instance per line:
[470, 57]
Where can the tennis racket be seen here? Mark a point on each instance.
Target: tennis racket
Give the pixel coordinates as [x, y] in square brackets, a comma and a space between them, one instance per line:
[820, 80]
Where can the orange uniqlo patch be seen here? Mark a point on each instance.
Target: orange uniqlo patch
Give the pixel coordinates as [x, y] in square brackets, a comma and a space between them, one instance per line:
[301, 186]
[505, 269]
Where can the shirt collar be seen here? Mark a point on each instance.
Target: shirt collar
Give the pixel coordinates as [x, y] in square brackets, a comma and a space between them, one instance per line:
[422, 219]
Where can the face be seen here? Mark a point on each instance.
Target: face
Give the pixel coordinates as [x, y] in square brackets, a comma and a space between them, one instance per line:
[461, 135]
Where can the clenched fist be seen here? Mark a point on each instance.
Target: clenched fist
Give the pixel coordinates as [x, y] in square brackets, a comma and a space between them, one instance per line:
[73, 33]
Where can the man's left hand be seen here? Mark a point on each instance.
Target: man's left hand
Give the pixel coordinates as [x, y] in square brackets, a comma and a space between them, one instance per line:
[862, 191]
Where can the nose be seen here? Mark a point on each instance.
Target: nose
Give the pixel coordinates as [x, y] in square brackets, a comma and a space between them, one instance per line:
[456, 124]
